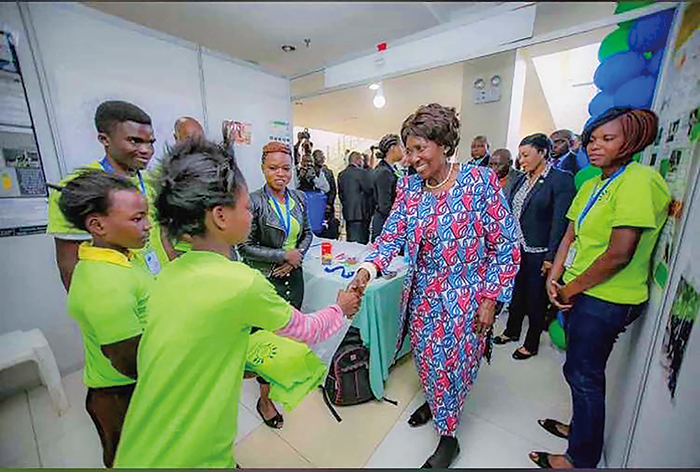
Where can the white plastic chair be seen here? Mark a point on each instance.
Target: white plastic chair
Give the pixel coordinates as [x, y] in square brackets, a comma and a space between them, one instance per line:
[20, 346]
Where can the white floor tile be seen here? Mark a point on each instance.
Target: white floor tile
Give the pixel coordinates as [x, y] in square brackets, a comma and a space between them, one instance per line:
[48, 425]
[485, 445]
[515, 394]
[247, 422]
[79, 447]
[17, 444]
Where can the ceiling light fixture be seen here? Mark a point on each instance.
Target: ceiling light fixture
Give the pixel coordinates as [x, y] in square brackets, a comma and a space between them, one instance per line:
[379, 99]
[288, 48]
[374, 86]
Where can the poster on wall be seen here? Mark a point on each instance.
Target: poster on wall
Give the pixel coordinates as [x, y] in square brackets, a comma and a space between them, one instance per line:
[674, 152]
[237, 132]
[280, 130]
[23, 189]
[684, 311]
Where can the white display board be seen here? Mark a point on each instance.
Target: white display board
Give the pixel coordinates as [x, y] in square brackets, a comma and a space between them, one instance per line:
[90, 58]
[246, 95]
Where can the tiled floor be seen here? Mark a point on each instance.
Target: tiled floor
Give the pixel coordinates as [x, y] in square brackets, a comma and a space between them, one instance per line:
[497, 430]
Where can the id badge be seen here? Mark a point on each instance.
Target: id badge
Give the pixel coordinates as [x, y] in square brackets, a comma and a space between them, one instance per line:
[570, 257]
[152, 262]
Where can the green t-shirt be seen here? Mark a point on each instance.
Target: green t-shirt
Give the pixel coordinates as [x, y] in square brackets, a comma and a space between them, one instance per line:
[637, 198]
[291, 241]
[107, 298]
[184, 411]
[153, 254]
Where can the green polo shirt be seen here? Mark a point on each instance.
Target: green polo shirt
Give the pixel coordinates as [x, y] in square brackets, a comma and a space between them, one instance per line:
[184, 411]
[107, 298]
[153, 254]
[637, 198]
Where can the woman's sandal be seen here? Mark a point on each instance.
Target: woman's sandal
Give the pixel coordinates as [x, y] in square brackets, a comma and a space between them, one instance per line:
[275, 422]
[550, 426]
[421, 416]
[541, 459]
[519, 355]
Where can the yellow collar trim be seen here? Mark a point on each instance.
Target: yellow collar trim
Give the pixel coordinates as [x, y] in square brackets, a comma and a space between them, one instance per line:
[88, 252]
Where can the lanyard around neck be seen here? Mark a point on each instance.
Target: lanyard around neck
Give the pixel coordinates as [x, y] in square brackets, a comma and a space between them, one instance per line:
[597, 193]
[286, 225]
[109, 168]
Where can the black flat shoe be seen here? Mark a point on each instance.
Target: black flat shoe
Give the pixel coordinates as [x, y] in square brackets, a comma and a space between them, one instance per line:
[503, 339]
[445, 453]
[276, 422]
[541, 459]
[521, 356]
[421, 416]
[550, 426]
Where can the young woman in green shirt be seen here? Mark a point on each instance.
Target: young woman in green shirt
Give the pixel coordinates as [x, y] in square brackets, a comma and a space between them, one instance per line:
[615, 221]
[200, 313]
[108, 293]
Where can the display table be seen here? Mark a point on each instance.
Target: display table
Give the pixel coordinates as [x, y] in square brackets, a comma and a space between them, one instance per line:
[377, 319]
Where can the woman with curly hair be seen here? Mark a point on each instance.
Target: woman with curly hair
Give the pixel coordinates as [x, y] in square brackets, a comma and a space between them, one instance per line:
[454, 224]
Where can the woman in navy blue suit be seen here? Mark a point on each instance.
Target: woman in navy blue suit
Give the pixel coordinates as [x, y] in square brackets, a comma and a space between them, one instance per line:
[539, 200]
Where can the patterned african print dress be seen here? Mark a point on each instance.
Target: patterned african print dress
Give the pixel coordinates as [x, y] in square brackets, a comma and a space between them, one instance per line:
[462, 247]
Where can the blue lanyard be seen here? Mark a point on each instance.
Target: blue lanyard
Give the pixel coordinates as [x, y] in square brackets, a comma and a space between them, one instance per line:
[343, 274]
[596, 195]
[286, 225]
[109, 168]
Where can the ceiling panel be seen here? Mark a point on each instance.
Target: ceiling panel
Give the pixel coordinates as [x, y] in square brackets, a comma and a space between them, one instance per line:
[255, 31]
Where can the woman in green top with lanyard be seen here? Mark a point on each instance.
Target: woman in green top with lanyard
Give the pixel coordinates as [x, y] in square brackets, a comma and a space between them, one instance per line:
[279, 237]
[615, 221]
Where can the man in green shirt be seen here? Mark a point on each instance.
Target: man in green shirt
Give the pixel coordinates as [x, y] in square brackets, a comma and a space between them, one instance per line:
[126, 133]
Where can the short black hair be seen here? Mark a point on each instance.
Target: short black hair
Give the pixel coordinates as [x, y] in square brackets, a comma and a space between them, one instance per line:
[539, 141]
[90, 193]
[112, 112]
[197, 175]
[567, 133]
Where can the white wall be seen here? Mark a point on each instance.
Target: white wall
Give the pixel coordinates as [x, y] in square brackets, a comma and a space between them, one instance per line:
[88, 57]
[239, 93]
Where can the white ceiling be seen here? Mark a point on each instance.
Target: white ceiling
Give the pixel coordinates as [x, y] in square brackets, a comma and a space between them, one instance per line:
[255, 31]
[351, 112]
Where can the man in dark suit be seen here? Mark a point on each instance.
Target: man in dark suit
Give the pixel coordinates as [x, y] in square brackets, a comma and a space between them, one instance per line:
[563, 157]
[502, 164]
[325, 176]
[355, 192]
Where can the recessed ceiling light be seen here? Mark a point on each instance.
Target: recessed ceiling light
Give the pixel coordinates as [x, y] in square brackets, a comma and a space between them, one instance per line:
[374, 86]
[288, 48]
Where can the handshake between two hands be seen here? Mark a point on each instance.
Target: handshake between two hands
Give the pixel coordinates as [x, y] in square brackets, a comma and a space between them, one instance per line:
[350, 299]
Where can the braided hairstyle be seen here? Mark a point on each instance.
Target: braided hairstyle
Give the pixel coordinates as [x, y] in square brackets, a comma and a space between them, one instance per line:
[90, 193]
[639, 127]
[386, 143]
[196, 177]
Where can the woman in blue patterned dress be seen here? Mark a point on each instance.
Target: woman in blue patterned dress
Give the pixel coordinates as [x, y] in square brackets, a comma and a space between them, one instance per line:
[456, 228]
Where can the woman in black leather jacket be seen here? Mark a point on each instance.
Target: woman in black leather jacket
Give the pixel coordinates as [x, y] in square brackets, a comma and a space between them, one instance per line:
[279, 237]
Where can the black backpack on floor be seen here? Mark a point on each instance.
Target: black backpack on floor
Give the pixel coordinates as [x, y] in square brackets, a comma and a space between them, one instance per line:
[347, 382]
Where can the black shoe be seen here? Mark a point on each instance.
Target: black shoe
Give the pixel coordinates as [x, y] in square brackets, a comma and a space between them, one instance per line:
[521, 356]
[276, 422]
[445, 453]
[503, 339]
[421, 416]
